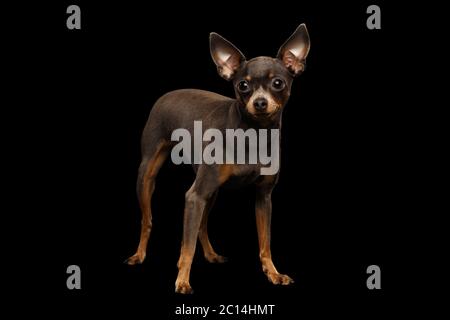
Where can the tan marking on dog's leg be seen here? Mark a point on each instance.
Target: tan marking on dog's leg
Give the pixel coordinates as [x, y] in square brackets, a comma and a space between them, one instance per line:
[263, 209]
[145, 196]
[208, 250]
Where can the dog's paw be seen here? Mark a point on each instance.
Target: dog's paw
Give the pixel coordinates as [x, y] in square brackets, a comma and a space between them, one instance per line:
[135, 259]
[215, 258]
[183, 287]
[277, 278]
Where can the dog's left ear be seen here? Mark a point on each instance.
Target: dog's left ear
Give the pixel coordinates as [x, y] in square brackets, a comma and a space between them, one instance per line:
[226, 56]
[294, 51]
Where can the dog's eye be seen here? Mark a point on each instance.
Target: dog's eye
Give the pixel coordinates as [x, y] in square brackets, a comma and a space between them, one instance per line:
[243, 86]
[278, 84]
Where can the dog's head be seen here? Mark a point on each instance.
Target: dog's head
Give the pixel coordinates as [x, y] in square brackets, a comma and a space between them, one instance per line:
[262, 84]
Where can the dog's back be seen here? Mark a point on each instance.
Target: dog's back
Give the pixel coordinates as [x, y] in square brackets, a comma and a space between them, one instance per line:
[179, 109]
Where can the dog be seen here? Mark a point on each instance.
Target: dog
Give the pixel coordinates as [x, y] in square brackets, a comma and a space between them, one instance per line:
[262, 87]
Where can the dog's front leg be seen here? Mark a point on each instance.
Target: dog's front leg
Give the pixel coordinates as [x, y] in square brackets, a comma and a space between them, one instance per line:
[263, 219]
[193, 212]
[196, 200]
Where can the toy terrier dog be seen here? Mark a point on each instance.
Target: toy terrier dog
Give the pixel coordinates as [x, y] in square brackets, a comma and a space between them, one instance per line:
[262, 86]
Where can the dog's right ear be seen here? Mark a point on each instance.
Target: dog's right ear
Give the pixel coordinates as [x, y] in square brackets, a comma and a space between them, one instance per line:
[226, 56]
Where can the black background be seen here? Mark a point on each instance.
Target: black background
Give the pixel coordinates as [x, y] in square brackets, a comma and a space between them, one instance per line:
[336, 210]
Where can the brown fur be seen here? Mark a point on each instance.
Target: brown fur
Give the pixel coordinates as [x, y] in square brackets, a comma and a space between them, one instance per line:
[180, 108]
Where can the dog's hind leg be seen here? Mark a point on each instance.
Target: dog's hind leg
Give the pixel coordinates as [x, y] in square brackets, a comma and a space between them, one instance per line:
[148, 171]
[208, 250]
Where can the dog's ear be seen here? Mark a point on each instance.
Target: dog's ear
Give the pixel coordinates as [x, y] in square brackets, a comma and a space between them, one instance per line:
[226, 56]
[294, 51]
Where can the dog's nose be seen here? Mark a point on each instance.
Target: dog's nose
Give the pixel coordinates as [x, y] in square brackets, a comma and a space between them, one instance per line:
[260, 104]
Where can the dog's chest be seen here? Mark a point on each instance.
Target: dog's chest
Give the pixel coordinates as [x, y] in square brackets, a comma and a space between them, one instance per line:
[243, 174]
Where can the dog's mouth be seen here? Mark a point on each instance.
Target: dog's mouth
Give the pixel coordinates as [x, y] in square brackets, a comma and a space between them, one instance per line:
[264, 115]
